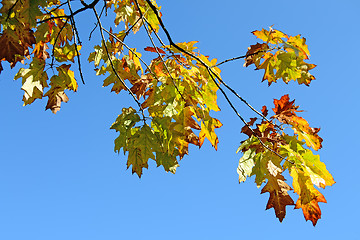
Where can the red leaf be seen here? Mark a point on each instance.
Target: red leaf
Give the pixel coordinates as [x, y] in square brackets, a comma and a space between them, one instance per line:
[151, 49]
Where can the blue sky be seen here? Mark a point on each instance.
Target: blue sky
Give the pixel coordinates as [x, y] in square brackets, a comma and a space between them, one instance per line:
[60, 178]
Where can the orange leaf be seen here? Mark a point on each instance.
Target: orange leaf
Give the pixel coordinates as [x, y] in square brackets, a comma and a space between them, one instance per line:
[309, 197]
[152, 49]
[285, 112]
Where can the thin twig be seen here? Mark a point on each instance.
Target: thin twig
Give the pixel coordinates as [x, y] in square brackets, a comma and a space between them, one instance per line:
[102, 10]
[57, 37]
[130, 49]
[113, 67]
[212, 74]
[160, 56]
[10, 10]
[76, 39]
[86, 6]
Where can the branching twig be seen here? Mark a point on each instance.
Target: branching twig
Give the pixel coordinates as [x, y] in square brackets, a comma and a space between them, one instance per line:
[86, 6]
[112, 64]
[131, 50]
[160, 56]
[212, 74]
[102, 10]
[76, 39]
[10, 10]
[57, 37]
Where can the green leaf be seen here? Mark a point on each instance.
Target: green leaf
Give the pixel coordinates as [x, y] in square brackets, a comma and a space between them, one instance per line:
[309, 163]
[34, 80]
[246, 164]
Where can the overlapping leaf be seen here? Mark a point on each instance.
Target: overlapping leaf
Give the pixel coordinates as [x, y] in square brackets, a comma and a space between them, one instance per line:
[281, 57]
[269, 151]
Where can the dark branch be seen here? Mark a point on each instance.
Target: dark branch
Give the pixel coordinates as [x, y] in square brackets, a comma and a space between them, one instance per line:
[76, 39]
[112, 64]
[212, 74]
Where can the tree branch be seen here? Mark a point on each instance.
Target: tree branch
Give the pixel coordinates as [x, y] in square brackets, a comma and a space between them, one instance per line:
[112, 64]
[76, 38]
[212, 74]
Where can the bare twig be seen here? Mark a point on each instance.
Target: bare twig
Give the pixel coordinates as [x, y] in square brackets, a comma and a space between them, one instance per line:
[112, 64]
[96, 24]
[160, 56]
[86, 6]
[57, 37]
[76, 39]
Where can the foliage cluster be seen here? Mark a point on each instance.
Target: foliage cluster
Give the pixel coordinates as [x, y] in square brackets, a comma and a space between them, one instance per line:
[174, 94]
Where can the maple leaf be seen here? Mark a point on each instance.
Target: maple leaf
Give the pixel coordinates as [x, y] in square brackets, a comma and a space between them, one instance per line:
[255, 53]
[183, 134]
[285, 111]
[141, 85]
[166, 160]
[56, 97]
[30, 11]
[273, 36]
[269, 66]
[246, 164]
[59, 83]
[287, 67]
[208, 126]
[279, 197]
[66, 52]
[15, 44]
[297, 45]
[34, 80]
[305, 160]
[309, 197]
[123, 124]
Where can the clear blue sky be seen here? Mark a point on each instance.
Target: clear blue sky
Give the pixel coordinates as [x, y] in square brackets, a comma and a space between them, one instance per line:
[60, 179]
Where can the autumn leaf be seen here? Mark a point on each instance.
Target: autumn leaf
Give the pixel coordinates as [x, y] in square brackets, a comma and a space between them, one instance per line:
[152, 49]
[279, 197]
[309, 197]
[246, 163]
[285, 111]
[208, 126]
[34, 80]
[255, 53]
[141, 85]
[15, 44]
[56, 97]
[281, 57]
[66, 52]
[307, 162]
[65, 80]
[273, 36]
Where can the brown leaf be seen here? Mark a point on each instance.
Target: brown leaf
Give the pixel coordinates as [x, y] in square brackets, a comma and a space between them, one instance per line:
[141, 85]
[255, 53]
[245, 129]
[55, 99]
[264, 111]
[279, 197]
[14, 43]
[285, 112]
